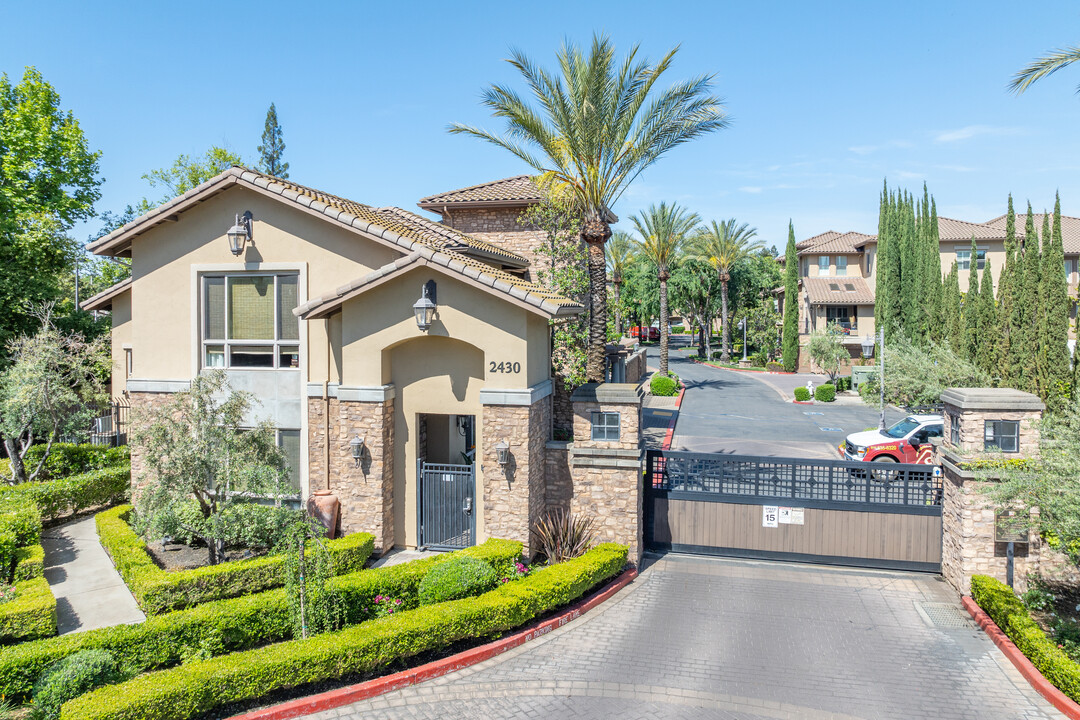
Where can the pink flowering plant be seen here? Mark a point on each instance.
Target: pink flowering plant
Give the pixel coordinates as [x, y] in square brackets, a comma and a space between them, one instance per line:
[385, 606]
[520, 570]
[7, 592]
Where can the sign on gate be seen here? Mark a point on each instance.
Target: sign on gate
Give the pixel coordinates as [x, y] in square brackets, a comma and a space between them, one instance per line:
[770, 516]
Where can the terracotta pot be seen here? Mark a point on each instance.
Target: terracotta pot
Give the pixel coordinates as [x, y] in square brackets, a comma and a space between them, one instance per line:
[323, 505]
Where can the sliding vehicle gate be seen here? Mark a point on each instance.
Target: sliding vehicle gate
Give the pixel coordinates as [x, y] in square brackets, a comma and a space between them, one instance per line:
[884, 515]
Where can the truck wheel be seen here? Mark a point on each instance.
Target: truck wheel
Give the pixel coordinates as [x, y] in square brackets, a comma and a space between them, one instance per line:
[884, 475]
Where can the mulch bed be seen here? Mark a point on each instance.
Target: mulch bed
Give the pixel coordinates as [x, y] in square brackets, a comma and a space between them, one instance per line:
[178, 556]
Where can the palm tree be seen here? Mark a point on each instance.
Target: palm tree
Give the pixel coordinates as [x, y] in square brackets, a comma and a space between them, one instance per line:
[722, 245]
[596, 126]
[1044, 66]
[619, 251]
[663, 229]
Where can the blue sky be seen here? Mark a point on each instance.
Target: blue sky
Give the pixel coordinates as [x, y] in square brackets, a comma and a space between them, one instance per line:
[827, 99]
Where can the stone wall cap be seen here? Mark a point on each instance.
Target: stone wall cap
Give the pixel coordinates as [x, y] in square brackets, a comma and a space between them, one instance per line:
[991, 399]
[628, 393]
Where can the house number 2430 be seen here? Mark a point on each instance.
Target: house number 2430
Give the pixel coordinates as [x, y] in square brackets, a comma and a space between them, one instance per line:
[504, 367]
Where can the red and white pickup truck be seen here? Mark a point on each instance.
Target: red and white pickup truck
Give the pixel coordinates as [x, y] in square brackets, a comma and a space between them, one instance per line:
[905, 442]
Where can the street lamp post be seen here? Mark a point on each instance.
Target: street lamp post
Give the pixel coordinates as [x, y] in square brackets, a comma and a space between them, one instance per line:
[881, 378]
[743, 324]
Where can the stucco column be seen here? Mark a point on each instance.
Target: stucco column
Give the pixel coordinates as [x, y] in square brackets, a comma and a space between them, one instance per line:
[514, 494]
[365, 491]
[606, 471]
[968, 544]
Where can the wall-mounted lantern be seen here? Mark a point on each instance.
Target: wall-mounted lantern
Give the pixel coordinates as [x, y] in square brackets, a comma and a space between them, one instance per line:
[424, 308]
[240, 233]
[356, 445]
[502, 452]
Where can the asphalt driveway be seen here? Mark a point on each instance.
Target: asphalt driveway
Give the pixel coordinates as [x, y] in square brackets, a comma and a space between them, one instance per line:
[746, 413]
[715, 638]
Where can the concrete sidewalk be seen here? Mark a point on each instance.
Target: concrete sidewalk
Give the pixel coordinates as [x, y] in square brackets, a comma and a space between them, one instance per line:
[89, 592]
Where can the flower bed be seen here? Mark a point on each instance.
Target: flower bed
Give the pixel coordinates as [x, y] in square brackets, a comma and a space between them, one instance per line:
[231, 625]
[31, 615]
[194, 689]
[1008, 612]
[159, 591]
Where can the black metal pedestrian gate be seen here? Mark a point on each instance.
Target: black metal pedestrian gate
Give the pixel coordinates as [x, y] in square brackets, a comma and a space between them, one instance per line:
[885, 515]
[444, 506]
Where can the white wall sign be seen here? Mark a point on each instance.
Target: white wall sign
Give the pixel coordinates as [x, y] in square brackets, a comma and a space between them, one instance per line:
[797, 515]
[769, 516]
[790, 516]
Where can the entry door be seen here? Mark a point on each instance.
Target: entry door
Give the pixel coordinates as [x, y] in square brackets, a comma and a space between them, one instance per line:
[447, 517]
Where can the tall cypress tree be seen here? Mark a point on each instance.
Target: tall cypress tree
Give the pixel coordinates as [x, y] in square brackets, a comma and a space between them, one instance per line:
[1023, 346]
[952, 322]
[932, 278]
[273, 147]
[1055, 311]
[972, 309]
[987, 323]
[791, 303]
[910, 271]
[1006, 299]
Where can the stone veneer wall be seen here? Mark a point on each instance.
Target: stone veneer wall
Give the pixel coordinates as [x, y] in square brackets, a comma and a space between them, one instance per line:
[560, 484]
[499, 226]
[366, 493]
[972, 427]
[142, 405]
[514, 496]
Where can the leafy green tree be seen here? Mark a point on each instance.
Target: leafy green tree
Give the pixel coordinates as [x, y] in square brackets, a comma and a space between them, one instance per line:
[48, 181]
[640, 294]
[827, 351]
[315, 606]
[723, 245]
[761, 333]
[1024, 351]
[186, 173]
[48, 387]
[618, 251]
[695, 290]
[597, 126]
[273, 147]
[198, 445]
[1049, 481]
[662, 230]
[917, 375]
[791, 302]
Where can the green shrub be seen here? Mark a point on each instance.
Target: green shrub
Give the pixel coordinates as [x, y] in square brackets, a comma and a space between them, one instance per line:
[664, 386]
[70, 459]
[677, 330]
[802, 394]
[825, 393]
[158, 590]
[843, 383]
[31, 615]
[196, 689]
[716, 354]
[461, 577]
[29, 562]
[1006, 609]
[234, 624]
[72, 494]
[71, 677]
[773, 366]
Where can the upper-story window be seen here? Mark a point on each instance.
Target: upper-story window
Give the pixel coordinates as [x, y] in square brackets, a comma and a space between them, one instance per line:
[823, 265]
[963, 257]
[870, 261]
[248, 321]
[841, 265]
[1070, 267]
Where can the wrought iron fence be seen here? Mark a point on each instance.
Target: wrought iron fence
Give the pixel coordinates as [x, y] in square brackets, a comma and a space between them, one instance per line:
[110, 423]
[784, 480]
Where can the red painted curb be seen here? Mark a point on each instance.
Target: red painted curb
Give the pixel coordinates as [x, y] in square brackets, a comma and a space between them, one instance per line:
[1045, 688]
[379, 686]
[803, 402]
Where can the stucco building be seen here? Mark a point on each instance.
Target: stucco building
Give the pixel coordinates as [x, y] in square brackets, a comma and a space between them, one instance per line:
[314, 303]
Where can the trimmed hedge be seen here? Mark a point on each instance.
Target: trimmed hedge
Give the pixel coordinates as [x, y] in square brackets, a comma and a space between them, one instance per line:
[192, 690]
[72, 494]
[802, 394]
[29, 562]
[663, 386]
[71, 677]
[159, 591]
[234, 624]
[825, 393]
[31, 615]
[1003, 606]
[461, 577]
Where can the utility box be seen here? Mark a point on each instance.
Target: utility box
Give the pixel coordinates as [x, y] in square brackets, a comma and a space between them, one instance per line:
[860, 374]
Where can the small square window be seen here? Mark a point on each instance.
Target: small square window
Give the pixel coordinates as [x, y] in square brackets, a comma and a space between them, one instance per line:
[605, 426]
[1001, 435]
[954, 430]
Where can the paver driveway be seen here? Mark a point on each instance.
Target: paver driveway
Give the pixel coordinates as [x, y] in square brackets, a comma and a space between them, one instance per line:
[717, 638]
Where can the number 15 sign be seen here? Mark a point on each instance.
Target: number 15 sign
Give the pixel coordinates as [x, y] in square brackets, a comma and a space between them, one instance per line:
[770, 516]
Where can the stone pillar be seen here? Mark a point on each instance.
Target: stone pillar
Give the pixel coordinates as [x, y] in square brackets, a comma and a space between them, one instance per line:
[968, 544]
[366, 493]
[142, 407]
[606, 470]
[514, 494]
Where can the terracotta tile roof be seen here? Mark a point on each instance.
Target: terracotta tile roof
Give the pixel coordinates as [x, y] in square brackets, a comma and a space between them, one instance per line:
[838, 291]
[1070, 229]
[103, 300]
[401, 222]
[823, 237]
[834, 242]
[949, 229]
[436, 244]
[519, 190]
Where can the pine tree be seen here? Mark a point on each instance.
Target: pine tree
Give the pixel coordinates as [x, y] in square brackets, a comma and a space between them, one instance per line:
[952, 322]
[1055, 313]
[987, 323]
[971, 307]
[791, 303]
[273, 147]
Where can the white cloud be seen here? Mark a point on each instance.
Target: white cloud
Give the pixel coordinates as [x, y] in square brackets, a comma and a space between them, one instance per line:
[868, 149]
[970, 131]
[754, 189]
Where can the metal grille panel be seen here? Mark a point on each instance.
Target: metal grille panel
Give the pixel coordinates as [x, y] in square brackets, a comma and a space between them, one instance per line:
[445, 506]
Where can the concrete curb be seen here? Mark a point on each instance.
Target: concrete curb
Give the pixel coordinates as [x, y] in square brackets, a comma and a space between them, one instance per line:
[1044, 687]
[666, 445]
[746, 370]
[380, 686]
